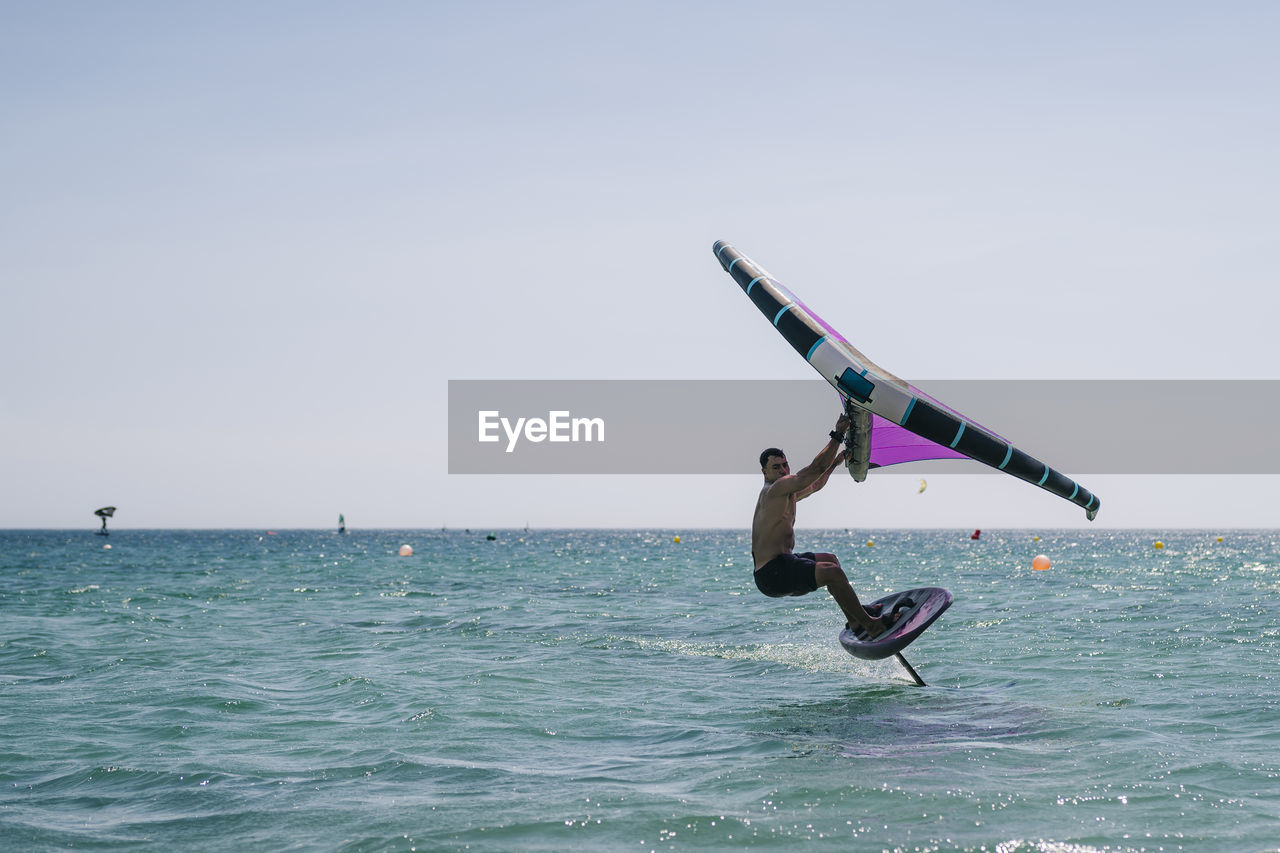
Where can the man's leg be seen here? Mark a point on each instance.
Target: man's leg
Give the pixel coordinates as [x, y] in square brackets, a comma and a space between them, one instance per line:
[829, 574]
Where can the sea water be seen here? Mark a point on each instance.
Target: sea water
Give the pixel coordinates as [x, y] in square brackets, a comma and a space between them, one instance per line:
[564, 690]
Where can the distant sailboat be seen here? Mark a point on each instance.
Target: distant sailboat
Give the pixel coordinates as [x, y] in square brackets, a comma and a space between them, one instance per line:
[342, 524]
[104, 513]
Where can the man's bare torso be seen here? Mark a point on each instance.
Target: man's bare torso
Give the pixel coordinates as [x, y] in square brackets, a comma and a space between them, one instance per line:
[773, 527]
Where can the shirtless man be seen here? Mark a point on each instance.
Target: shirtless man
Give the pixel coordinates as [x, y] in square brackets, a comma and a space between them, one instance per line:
[779, 572]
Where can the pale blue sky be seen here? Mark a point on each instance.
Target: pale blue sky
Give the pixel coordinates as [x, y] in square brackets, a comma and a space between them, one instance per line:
[244, 246]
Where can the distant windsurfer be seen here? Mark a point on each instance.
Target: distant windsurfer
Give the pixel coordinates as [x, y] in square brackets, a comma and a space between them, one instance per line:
[778, 571]
[104, 513]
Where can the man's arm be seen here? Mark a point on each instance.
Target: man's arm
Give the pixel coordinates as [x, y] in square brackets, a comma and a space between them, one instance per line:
[819, 468]
[821, 481]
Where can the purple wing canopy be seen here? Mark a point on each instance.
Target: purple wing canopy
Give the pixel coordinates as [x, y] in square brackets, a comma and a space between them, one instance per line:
[892, 445]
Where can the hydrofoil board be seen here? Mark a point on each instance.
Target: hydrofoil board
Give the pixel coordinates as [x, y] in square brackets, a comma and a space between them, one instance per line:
[918, 608]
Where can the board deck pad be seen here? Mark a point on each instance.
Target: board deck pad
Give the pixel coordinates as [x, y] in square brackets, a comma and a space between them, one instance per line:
[919, 608]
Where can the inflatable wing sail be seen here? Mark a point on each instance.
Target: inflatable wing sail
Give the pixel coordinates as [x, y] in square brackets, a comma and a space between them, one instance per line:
[891, 421]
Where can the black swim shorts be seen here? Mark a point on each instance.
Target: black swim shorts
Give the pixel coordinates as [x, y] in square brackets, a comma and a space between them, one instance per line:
[788, 574]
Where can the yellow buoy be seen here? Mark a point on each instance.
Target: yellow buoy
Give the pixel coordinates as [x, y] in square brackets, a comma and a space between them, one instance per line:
[406, 551]
[1035, 538]
[676, 540]
[871, 543]
[1040, 563]
[1158, 545]
[1219, 538]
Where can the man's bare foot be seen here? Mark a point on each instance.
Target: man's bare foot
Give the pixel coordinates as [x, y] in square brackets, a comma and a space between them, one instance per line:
[884, 622]
[879, 623]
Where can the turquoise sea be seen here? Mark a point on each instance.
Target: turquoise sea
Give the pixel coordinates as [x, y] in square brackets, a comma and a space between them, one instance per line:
[562, 690]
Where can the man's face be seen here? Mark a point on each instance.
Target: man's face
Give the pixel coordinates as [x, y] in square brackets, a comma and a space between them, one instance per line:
[775, 467]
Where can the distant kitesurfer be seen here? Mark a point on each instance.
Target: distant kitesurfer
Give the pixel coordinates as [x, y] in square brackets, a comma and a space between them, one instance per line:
[778, 571]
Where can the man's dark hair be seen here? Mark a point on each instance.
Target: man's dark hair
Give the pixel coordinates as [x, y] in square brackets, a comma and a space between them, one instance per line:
[772, 451]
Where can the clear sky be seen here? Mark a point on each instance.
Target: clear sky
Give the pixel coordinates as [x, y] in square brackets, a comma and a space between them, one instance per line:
[243, 246]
